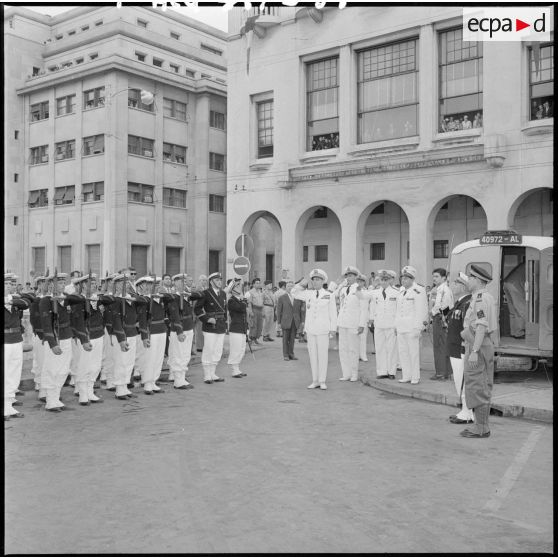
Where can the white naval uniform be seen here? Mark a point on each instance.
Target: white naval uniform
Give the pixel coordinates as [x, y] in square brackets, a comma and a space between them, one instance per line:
[38, 358]
[353, 314]
[321, 318]
[411, 313]
[383, 312]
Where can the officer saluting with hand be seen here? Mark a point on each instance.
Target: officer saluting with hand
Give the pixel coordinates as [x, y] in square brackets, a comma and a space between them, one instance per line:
[320, 323]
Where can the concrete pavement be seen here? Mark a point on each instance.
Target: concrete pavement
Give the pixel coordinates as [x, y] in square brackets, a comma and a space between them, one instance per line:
[263, 465]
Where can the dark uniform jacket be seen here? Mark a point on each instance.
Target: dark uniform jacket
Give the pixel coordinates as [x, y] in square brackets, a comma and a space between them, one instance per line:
[182, 320]
[35, 317]
[12, 320]
[127, 325]
[77, 317]
[455, 326]
[55, 319]
[95, 319]
[212, 305]
[237, 311]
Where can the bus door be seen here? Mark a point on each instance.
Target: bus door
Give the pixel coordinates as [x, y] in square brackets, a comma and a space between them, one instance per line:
[546, 299]
[532, 297]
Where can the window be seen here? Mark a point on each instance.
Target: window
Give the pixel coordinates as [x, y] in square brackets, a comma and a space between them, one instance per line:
[142, 23]
[65, 195]
[174, 153]
[214, 261]
[320, 253]
[140, 193]
[65, 150]
[174, 68]
[16, 134]
[39, 155]
[66, 64]
[97, 23]
[93, 258]
[320, 213]
[174, 109]
[58, 37]
[93, 145]
[79, 60]
[174, 198]
[441, 249]
[541, 82]
[38, 198]
[211, 49]
[85, 28]
[157, 62]
[94, 98]
[15, 220]
[379, 210]
[140, 56]
[322, 113]
[216, 120]
[92, 191]
[190, 74]
[217, 162]
[378, 251]
[172, 260]
[93, 56]
[139, 259]
[134, 101]
[65, 259]
[72, 32]
[175, 35]
[387, 92]
[140, 146]
[16, 177]
[305, 253]
[39, 111]
[205, 76]
[460, 82]
[216, 203]
[264, 111]
[38, 257]
[36, 71]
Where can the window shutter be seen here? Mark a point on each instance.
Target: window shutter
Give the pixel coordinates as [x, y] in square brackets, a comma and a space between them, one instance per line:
[59, 194]
[39, 260]
[139, 259]
[94, 258]
[173, 261]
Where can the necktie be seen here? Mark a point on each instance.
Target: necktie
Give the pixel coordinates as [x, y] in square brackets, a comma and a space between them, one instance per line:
[384, 293]
[348, 289]
[405, 293]
[317, 294]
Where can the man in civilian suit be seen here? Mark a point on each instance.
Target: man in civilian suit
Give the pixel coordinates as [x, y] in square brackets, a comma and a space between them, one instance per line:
[289, 321]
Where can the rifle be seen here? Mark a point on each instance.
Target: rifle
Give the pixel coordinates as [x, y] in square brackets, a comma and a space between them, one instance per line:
[105, 287]
[124, 297]
[55, 294]
[151, 306]
[45, 284]
[88, 294]
[182, 295]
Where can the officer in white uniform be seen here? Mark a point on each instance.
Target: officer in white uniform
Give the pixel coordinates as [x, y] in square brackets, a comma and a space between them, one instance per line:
[363, 337]
[411, 315]
[351, 321]
[320, 323]
[383, 309]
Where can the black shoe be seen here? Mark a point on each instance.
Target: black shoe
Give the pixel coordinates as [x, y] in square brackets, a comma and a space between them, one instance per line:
[84, 403]
[121, 397]
[208, 381]
[54, 410]
[111, 389]
[391, 376]
[181, 387]
[19, 392]
[219, 380]
[76, 394]
[130, 385]
[469, 434]
[42, 399]
[454, 419]
[97, 401]
[156, 391]
[435, 377]
[382, 376]
[17, 404]
[148, 392]
[131, 396]
[66, 408]
[293, 358]
[238, 375]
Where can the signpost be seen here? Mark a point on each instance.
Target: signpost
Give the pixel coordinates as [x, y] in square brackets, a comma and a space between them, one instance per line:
[244, 245]
[241, 265]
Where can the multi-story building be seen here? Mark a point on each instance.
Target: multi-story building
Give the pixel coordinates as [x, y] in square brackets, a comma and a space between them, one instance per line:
[376, 136]
[115, 135]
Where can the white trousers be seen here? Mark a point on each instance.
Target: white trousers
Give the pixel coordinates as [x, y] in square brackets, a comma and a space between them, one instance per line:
[408, 344]
[13, 364]
[349, 347]
[363, 338]
[123, 366]
[237, 348]
[211, 354]
[153, 360]
[179, 357]
[55, 371]
[107, 362]
[386, 351]
[318, 346]
[457, 366]
[88, 370]
[76, 355]
[139, 362]
[38, 357]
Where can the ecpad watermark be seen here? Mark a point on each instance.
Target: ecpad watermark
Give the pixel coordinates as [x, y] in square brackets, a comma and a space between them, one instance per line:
[507, 24]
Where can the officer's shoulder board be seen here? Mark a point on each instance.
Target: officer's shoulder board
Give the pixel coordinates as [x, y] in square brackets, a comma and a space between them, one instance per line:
[416, 290]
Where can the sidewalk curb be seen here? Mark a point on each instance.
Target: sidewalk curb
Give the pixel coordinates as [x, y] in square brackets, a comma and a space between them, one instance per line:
[505, 409]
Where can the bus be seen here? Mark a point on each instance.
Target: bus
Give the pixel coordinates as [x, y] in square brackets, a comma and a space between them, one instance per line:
[522, 273]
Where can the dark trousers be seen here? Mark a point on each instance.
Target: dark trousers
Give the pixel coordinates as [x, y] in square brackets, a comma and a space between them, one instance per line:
[256, 325]
[442, 362]
[289, 340]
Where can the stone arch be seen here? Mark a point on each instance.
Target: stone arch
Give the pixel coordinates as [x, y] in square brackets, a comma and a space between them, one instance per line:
[314, 231]
[382, 222]
[532, 212]
[266, 261]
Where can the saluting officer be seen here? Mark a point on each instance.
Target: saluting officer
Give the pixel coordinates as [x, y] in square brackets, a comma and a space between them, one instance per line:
[110, 345]
[412, 313]
[55, 322]
[238, 326]
[180, 312]
[320, 323]
[383, 310]
[14, 305]
[479, 323]
[351, 321]
[38, 346]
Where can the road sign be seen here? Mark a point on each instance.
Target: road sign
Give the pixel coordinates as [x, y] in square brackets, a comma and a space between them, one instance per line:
[241, 265]
[244, 245]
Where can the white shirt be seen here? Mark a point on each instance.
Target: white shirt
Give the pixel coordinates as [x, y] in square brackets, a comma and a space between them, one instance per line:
[412, 309]
[321, 310]
[444, 298]
[353, 309]
[383, 310]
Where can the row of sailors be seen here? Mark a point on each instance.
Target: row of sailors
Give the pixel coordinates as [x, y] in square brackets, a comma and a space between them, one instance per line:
[121, 328]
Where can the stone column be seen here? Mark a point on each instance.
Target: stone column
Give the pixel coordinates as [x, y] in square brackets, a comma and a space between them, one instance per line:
[427, 86]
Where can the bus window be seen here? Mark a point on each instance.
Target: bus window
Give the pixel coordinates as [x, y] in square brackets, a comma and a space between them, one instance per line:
[513, 310]
[549, 273]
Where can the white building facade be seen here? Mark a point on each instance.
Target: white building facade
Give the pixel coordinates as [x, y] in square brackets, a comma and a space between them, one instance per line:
[115, 135]
[375, 136]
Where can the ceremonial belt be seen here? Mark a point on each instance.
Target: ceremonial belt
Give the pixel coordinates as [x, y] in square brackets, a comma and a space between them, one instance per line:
[157, 322]
[12, 330]
[268, 305]
[94, 329]
[215, 314]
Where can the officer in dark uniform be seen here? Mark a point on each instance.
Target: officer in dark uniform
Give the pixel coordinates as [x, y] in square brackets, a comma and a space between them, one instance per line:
[237, 306]
[479, 323]
[38, 346]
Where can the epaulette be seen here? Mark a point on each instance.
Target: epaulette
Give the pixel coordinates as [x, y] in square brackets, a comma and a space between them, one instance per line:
[416, 290]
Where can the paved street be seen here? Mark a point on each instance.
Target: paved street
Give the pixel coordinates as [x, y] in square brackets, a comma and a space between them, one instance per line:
[262, 465]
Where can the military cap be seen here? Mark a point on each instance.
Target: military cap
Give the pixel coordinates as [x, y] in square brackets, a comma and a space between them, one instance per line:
[319, 273]
[118, 277]
[351, 270]
[145, 279]
[361, 277]
[409, 271]
[386, 274]
[179, 276]
[215, 275]
[39, 279]
[462, 278]
[481, 273]
[11, 277]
